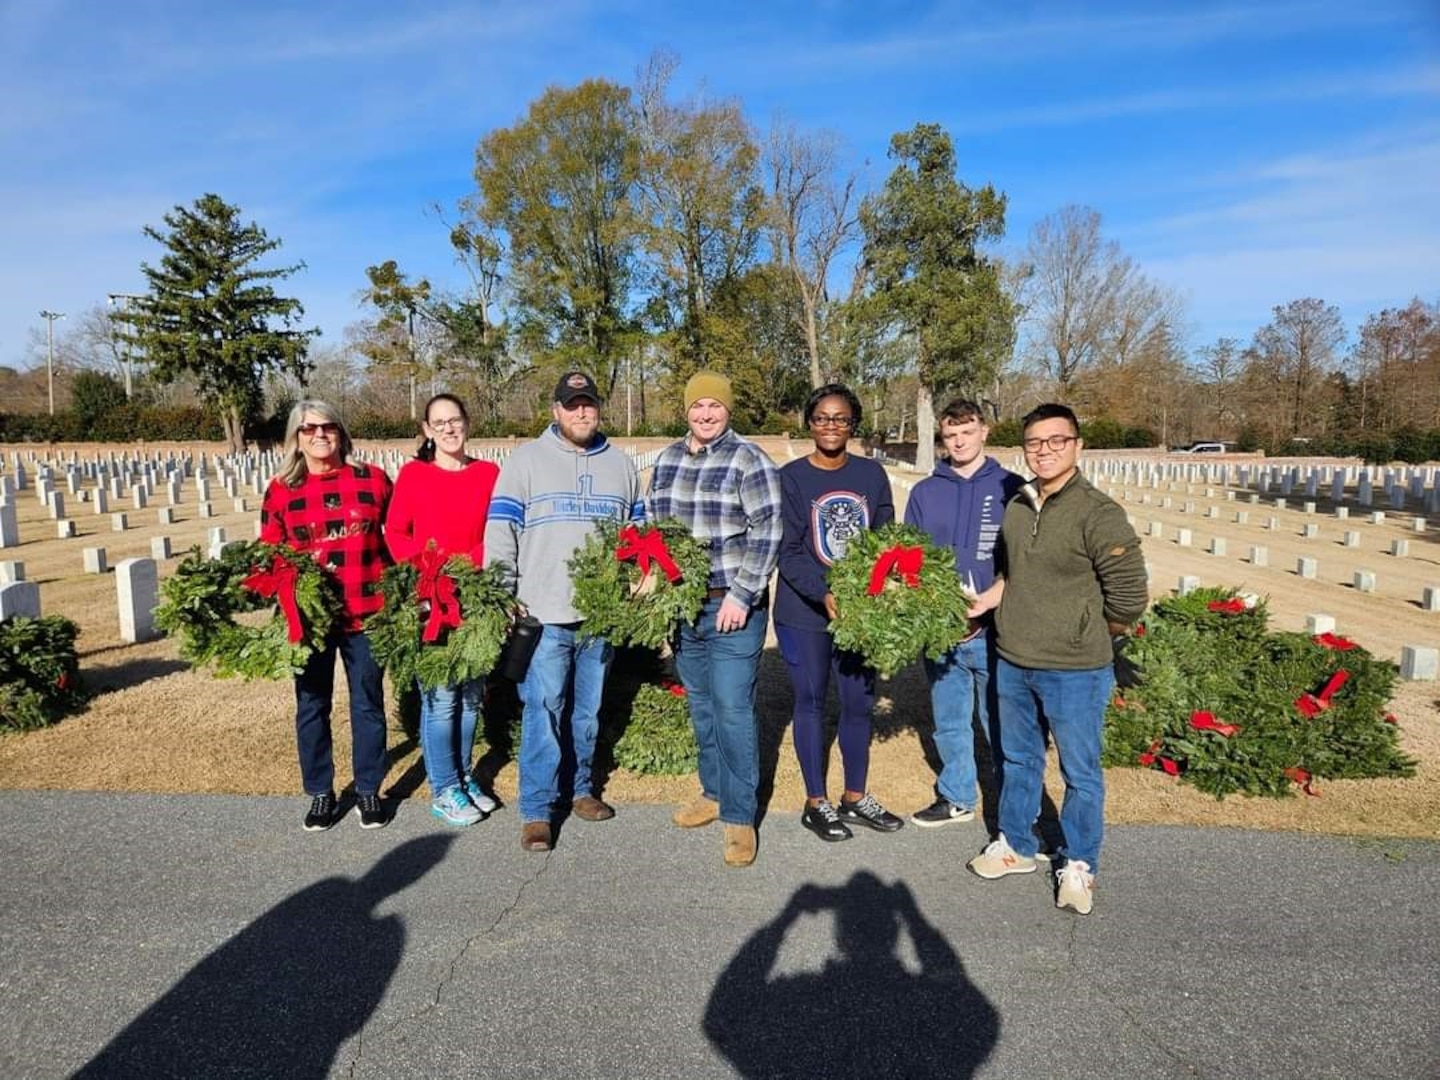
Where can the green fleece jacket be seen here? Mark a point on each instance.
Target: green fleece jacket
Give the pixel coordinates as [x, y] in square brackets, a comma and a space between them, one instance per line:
[1071, 566]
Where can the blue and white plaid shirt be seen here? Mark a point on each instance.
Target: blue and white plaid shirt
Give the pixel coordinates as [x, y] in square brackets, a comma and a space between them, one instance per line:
[728, 495]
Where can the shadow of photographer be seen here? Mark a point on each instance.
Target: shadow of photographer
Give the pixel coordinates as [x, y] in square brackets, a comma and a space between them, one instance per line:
[865, 1012]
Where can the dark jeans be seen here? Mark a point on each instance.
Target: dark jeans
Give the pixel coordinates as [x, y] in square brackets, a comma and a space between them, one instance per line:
[812, 659]
[314, 694]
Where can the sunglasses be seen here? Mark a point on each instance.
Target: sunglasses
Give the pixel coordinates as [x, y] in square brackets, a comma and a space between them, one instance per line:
[316, 429]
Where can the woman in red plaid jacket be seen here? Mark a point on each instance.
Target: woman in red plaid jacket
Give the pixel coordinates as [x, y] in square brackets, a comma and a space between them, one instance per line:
[323, 504]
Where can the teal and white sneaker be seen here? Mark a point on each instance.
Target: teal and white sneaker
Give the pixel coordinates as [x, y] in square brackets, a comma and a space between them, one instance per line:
[484, 803]
[454, 807]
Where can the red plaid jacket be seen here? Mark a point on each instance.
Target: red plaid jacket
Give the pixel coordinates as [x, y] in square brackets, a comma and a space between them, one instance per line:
[337, 516]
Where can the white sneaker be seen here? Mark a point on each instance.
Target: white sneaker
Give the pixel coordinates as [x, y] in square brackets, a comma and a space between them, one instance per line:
[1075, 887]
[484, 803]
[998, 860]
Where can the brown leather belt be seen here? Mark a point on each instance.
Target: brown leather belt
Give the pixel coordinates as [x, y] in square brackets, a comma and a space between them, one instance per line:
[715, 594]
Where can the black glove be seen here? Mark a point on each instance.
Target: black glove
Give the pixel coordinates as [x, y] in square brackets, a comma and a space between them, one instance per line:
[1127, 673]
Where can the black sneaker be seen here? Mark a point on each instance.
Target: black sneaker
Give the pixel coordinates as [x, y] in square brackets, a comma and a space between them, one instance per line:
[942, 812]
[371, 811]
[870, 813]
[824, 822]
[322, 813]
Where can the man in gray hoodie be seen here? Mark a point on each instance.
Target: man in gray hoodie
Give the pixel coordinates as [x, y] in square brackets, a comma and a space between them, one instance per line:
[550, 494]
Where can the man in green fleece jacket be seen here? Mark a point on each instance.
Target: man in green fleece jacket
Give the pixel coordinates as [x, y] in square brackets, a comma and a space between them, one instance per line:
[1074, 579]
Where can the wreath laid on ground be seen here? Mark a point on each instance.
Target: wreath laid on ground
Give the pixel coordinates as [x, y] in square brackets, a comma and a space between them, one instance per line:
[200, 600]
[634, 584]
[658, 739]
[1228, 706]
[898, 598]
[443, 623]
[39, 672]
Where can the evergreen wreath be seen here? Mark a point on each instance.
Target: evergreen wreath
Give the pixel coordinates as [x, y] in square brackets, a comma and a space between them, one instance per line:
[200, 600]
[634, 584]
[658, 739]
[1228, 706]
[443, 622]
[39, 672]
[898, 597]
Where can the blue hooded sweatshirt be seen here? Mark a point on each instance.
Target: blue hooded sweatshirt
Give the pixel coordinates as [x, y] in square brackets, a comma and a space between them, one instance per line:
[965, 515]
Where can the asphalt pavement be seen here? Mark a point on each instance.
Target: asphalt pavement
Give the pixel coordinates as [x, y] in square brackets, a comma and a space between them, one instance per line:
[209, 936]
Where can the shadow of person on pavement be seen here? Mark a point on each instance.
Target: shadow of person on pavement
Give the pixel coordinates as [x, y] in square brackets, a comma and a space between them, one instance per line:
[282, 996]
[865, 1012]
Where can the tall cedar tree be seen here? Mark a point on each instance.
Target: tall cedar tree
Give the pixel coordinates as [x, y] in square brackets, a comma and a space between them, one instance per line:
[398, 301]
[926, 279]
[212, 314]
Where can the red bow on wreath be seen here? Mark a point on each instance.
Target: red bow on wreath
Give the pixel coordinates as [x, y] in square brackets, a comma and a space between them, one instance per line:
[1233, 606]
[1205, 721]
[1312, 705]
[438, 588]
[1333, 641]
[1153, 754]
[279, 582]
[643, 547]
[1303, 778]
[906, 561]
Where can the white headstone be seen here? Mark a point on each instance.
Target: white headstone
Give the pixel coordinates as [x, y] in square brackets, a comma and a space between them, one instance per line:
[1418, 664]
[136, 588]
[160, 548]
[102, 501]
[1319, 624]
[19, 598]
[1377, 518]
[64, 529]
[1307, 568]
[1365, 580]
[1187, 585]
[1400, 548]
[1182, 537]
[1217, 545]
[95, 560]
[9, 527]
[119, 522]
[1352, 538]
[1430, 598]
[1342, 513]
[1259, 556]
[1309, 532]
[11, 570]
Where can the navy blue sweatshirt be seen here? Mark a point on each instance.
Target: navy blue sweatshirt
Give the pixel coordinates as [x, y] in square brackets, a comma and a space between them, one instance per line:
[965, 515]
[822, 509]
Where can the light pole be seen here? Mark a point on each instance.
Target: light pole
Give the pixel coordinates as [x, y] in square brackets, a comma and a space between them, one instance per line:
[122, 300]
[50, 317]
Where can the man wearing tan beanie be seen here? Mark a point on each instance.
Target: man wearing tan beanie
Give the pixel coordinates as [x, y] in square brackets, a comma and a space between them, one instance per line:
[727, 491]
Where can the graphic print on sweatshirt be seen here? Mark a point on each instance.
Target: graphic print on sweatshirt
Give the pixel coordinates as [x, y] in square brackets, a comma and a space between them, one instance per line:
[836, 518]
[992, 512]
[582, 504]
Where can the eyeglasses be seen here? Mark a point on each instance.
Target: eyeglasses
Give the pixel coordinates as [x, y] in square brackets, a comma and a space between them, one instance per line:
[317, 429]
[1054, 442]
[832, 421]
[448, 424]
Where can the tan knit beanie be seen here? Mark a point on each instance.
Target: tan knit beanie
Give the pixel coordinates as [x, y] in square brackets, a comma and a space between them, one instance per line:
[707, 384]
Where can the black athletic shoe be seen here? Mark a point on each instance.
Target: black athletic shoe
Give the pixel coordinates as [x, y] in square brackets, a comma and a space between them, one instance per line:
[824, 822]
[942, 812]
[322, 813]
[371, 811]
[870, 813]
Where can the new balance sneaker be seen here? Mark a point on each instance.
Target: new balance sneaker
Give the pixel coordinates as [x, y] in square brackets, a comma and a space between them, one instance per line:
[484, 803]
[870, 813]
[322, 813]
[371, 811]
[998, 859]
[1075, 887]
[824, 822]
[942, 812]
[453, 807]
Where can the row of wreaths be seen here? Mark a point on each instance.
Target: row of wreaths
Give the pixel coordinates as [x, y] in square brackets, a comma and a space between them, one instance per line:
[444, 621]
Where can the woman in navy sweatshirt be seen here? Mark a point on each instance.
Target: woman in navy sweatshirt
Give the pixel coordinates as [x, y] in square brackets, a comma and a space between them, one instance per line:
[829, 497]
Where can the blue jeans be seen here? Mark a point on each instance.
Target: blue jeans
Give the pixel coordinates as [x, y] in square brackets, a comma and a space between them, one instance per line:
[1073, 703]
[960, 680]
[448, 717]
[561, 695]
[314, 694]
[718, 671]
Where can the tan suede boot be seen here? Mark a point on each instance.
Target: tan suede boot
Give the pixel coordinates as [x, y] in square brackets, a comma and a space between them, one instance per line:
[700, 812]
[739, 845]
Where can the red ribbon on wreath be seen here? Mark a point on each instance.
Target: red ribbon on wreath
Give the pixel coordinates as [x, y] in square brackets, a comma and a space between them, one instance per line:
[674, 689]
[279, 581]
[1303, 778]
[906, 561]
[1205, 721]
[1312, 705]
[644, 547]
[1152, 755]
[438, 588]
[1233, 606]
[1333, 641]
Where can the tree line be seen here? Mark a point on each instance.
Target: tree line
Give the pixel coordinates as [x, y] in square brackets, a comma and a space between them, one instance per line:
[643, 236]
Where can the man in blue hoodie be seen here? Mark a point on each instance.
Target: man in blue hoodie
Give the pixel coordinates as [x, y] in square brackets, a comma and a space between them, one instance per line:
[961, 505]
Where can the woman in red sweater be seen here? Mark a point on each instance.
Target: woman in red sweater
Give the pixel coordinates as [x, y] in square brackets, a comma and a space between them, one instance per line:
[322, 504]
[441, 499]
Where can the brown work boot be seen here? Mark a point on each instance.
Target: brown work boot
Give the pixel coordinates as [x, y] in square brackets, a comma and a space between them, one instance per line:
[589, 808]
[700, 812]
[739, 845]
[535, 836]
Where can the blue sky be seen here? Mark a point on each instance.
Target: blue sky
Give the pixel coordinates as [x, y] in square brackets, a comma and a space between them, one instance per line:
[1243, 153]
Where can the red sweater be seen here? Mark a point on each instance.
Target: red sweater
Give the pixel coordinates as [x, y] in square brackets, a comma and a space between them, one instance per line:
[336, 516]
[443, 505]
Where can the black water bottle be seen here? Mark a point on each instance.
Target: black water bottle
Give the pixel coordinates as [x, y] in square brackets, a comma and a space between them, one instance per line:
[519, 647]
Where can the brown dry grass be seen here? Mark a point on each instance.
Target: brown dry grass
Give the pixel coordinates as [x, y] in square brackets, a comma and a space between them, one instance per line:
[156, 726]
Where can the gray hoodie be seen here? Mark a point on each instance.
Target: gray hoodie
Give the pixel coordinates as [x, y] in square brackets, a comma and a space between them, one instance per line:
[549, 496]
